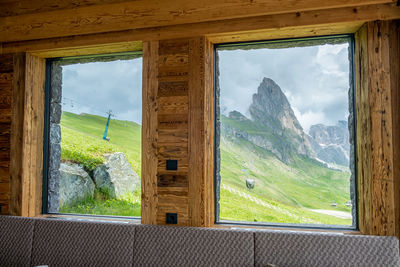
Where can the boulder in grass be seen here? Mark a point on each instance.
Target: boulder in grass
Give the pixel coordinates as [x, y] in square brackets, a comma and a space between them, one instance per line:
[116, 176]
[75, 183]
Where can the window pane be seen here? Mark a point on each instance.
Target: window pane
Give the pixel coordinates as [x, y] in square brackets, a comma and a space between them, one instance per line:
[284, 153]
[96, 109]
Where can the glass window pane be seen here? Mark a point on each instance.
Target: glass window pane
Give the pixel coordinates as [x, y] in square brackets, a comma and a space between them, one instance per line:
[284, 153]
[95, 136]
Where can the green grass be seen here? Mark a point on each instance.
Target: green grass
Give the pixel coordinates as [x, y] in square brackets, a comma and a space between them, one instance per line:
[82, 142]
[102, 204]
[303, 185]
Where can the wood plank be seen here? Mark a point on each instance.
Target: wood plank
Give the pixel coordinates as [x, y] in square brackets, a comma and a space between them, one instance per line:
[27, 136]
[6, 60]
[295, 24]
[4, 208]
[4, 192]
[172, 105]
[172, 136]
[20, 7]
[209, 134]
[381, 118]
[149, 133]
[90, 50]
[16, 174]
[170, 180]
[173, 151]
[173, 88]
[32, 153]
[172, 121]
[197, 210]
[394, 55]
[4, 174]
[146, 13]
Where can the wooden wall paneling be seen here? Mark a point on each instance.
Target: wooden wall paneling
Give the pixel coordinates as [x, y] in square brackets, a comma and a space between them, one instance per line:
[145, 14]
[6, 81]
[377, 136]
[149, 133]
[294, 24]
[27, 136]
[16, 176]
[183, 108]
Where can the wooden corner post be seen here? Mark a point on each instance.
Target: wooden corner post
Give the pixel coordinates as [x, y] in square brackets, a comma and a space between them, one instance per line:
[378, 127]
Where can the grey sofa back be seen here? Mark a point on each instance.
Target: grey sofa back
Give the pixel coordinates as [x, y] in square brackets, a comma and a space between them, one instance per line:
[56, 242]
[297, 249]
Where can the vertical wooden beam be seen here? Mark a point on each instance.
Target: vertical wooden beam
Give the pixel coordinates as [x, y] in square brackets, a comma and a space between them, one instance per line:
[27, 135]
[394, 56]
[16, 178]
[6, 80]
[149, 133]
[201, 137]
[377, 128]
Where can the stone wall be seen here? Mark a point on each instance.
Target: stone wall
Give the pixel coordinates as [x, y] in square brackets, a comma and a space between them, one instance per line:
[54, 145]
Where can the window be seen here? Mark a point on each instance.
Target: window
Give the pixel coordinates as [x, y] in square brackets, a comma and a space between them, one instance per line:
[94, 113]
[285, 133]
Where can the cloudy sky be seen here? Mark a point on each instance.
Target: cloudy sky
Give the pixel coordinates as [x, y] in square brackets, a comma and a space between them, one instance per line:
[98, 87]
[314, 79]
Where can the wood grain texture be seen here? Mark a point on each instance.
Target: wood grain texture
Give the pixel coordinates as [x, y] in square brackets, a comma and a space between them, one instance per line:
[363, 130]
[6, 83]
[294, 24]
[20, 7]
[149, 133]
[173, 66]
[151, 13]
[377, 136]
[394, 56]
[201, 133]
[27, 136]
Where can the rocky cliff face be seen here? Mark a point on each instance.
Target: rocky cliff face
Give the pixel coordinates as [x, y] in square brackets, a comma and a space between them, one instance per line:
[333, 142]
[279, 131]
[271, 107]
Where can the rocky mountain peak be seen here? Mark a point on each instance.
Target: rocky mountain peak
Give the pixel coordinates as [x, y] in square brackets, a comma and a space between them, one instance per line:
[271, 107]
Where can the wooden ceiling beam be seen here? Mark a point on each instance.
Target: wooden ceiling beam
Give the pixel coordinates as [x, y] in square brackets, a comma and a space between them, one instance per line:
[22, 7]
[152, 13]
[298, 24]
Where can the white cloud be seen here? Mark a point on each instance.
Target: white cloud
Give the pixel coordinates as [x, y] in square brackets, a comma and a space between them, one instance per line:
[102, 86]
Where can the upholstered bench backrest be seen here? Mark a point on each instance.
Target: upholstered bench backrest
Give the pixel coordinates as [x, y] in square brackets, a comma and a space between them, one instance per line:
[16, 236]
[297, 249]
[78, 243]
[189, 246]
[57, 242]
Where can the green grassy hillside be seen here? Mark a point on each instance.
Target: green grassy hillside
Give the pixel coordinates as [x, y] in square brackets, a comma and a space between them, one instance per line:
[283, 193]
[82, 142]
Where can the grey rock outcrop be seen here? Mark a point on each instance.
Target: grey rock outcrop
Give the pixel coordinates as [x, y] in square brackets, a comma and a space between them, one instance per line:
[332, 142]
[116, 175]
[75, 183]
